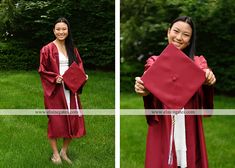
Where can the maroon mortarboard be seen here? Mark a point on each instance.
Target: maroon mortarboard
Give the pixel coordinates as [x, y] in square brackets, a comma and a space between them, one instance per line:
[173, 78]
[74, 77]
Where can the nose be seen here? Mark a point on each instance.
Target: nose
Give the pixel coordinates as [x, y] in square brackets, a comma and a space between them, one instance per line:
[179, 36]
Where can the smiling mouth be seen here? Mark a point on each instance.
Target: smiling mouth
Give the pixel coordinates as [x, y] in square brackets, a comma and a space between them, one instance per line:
[177, 44]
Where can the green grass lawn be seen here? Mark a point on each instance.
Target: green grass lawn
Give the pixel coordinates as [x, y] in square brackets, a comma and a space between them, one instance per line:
[23, 139]
[219, 134]
[24, 90]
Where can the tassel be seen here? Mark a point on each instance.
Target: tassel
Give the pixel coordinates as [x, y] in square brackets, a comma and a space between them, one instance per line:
[170, 157]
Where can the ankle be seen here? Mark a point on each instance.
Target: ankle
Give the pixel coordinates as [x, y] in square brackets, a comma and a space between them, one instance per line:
[63, 151]
[56, 154]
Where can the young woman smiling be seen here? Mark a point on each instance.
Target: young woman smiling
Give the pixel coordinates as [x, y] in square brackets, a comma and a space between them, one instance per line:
[55, 58]
[189, 149]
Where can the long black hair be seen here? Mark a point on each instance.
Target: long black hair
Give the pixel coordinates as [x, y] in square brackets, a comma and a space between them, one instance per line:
[68, 41]
[190, 50]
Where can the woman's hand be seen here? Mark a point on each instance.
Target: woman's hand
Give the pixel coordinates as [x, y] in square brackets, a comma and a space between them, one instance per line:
[210, 77]
[139, 87]
[86, 77]
[59, 79]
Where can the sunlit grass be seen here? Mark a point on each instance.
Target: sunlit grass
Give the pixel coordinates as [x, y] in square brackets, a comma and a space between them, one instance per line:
[23, 139]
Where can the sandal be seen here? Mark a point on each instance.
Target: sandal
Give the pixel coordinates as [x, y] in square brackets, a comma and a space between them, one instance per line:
[56, 160]
[64, 156]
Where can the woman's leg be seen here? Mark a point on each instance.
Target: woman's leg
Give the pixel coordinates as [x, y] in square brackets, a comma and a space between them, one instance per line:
[66, 143]
[56, 157]
[63, 152]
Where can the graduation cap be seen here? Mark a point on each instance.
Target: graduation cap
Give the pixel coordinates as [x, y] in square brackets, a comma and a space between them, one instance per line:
[173, 78]
[74, 77]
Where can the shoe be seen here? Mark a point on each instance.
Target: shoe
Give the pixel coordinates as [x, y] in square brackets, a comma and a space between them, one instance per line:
[56, 160]
[64, 156]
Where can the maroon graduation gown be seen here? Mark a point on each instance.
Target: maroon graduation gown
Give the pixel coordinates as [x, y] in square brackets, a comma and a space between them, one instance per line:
[59, 126]
[159, 128]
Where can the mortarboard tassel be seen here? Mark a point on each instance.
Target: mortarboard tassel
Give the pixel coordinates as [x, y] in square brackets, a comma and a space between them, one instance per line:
[170, 157]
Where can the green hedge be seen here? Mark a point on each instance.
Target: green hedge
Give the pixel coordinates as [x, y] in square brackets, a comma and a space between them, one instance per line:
[17, 58]
[128, 73]
[14, 56]
[144, 29]
[30, 24]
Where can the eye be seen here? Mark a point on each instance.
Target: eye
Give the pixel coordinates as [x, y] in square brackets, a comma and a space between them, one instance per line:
[176, 31]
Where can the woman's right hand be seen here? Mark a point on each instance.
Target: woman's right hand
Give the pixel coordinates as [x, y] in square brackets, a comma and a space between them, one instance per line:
[139, 87]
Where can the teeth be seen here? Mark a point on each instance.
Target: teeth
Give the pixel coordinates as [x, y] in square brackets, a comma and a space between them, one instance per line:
[177, 43]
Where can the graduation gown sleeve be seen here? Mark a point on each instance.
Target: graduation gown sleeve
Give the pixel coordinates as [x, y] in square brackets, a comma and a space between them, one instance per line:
[151, 102]
[48, 77]
[206, 92]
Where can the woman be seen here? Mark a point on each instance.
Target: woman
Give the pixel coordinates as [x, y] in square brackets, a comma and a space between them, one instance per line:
[189, 148]
[55, 59]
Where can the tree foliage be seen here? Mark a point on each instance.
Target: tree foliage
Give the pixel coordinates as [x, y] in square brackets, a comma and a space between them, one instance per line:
[29, 23]
[144, 27]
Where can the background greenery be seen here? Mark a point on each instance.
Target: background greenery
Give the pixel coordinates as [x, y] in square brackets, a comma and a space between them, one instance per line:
[24, 142]
[144, 27]
[27, 25]
[219, 134]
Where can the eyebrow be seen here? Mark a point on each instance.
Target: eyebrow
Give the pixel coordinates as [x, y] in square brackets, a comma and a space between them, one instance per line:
[60, 27]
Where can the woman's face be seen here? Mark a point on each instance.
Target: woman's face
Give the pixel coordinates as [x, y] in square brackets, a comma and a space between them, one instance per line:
[180, 34]
[61, 31]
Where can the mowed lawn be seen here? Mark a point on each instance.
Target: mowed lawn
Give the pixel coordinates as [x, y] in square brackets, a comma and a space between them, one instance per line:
[23, 139]
[219, 134]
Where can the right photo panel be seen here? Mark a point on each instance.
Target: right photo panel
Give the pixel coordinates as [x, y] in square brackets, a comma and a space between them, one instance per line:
[177, 101]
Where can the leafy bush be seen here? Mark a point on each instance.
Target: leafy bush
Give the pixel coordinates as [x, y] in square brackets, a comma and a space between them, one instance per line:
[92, 25]
[128, 73]
[144, 29]
[18, 58]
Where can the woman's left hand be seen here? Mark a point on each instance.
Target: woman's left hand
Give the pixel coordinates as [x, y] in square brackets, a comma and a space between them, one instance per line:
[86, 77]
[59, 79]
[210, 77]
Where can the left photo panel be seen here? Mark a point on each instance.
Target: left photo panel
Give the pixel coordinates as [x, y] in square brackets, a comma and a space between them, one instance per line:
[57, 96]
